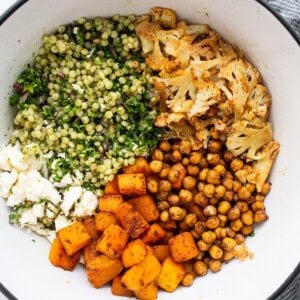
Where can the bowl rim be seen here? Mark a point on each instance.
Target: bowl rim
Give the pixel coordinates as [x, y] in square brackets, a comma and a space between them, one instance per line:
[19, 3]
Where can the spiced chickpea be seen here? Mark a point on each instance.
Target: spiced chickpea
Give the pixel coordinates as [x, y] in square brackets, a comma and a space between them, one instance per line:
[177, 213]
[236, 185]
[187, 280]
[167, 157]
[203, 163]
[195, 235]
[215, 265]
[213, 158]
[213, 177]
[152, 186]
[190, 219]
[199, 227]
[220, 169]
[200, 186]
[165, 146]
[195, 157]
[260, 216]
[164, 173]
[227, 156]
[242, 206]
[173, 199]
[185, 161]
[223, 219]
[230, 232]
[202, 246]
[157, 155]
[257, 205]
[164, 216]
[201, 200]
[192, 170]
[185, 147]
[220, 233]
[239, 238]
[173, 175]
[183, 226]
[228, 196]
[189, 182]
[213, 201]
[228, 243]
[200, 268]
[164, 186]
[209, 190]
[214, 146]
[224, 207]
[175, 146]
[243, 193]
[266, 188]
[233, 213]
[227, 183]
[236, 225]
[185, 196]
[236, 164]
[259, 197]
[208, 236]
[220, 191]
[210, 210]
[215, 252]
[247, 229]
[250, 186]
[212, 222]
[156, 166]
[161, 196]
[176, 156]
[203, 174]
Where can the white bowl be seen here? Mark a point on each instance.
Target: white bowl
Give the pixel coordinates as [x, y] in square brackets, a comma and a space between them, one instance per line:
[24, 266]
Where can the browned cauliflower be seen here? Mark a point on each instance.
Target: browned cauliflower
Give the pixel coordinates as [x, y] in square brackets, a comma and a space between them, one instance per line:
[249, 137]
[262, 167]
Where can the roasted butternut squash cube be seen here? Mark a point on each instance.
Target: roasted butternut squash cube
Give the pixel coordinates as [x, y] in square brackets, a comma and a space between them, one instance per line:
[134, 253]
[110, 203]
[119, 289]
[171, 275]
[89, 223]
[169, 225]
[59, 257]
[149, 292]
[183, 247]
[90, 251]
[103, 269]
[153, 234]
[141, 165]
[112, 187]
[103, 219]
[142, 274]
[161, 251]
[113, 241]
[131, 220]
[146, 206]
[74, 237]
[132, 184]
[180, 171]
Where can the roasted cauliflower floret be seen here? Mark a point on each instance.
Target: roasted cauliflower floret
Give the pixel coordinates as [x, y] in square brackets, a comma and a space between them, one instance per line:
[249, 137]
[264, 164]
[163, 16]
[242, 79]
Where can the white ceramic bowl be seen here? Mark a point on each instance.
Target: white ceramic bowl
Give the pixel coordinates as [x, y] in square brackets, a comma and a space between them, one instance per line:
[24, 266]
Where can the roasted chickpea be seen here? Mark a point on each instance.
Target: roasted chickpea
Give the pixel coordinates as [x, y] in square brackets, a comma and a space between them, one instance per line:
[195, 157]
[239, 238]
[236, 185]
[173, 199]
[190, 219]
[189, 182]
[227, 183]
[230, 232]
[208, 237]
[164, 173]
[266, 188]
[202, 246]
[215, 265]
[161, 196]
[233, 214]
[164, 186]
[219, 192]
[157, 155]
[250, 186]
[212, 222]
[236, 225]
[227, 255]
[185, 147]
[175, 146]
[200, 186]
[220, 169]
[164, 216]
[214, 146]
[187, 280]
[215, 252]
[213, 201]
[203, 174]
[200, 199]
[185, 196]
[195, 235]
[156, 166]
[162, 205]
[257, 205]
[223, 219]
[242, 206]
[260, 216]
[236, 164]
[199, 227]
[176, 156]
[228, 243]
[165, 146]
[200, 268]
[177, 213]
[213, 158]
[173, 175]
[220, 233]
[246, 229]
[209, 190]
[260, 197]
[152, 186]
[183, 226]
[224, 207]
[185, 161]
[243, 193]
[167, 157]
[228, 196]
[210, 210]
[213, 177]
[227, 156]
[203, 163]
[192, 170]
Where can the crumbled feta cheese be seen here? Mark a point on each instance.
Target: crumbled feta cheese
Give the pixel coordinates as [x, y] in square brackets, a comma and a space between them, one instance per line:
[38, 210]
[7, 179]
[11, 157]
[28, 218]
[65, 181]
[61, 222]
[18, 191]
[86, 206]
[70, 196]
